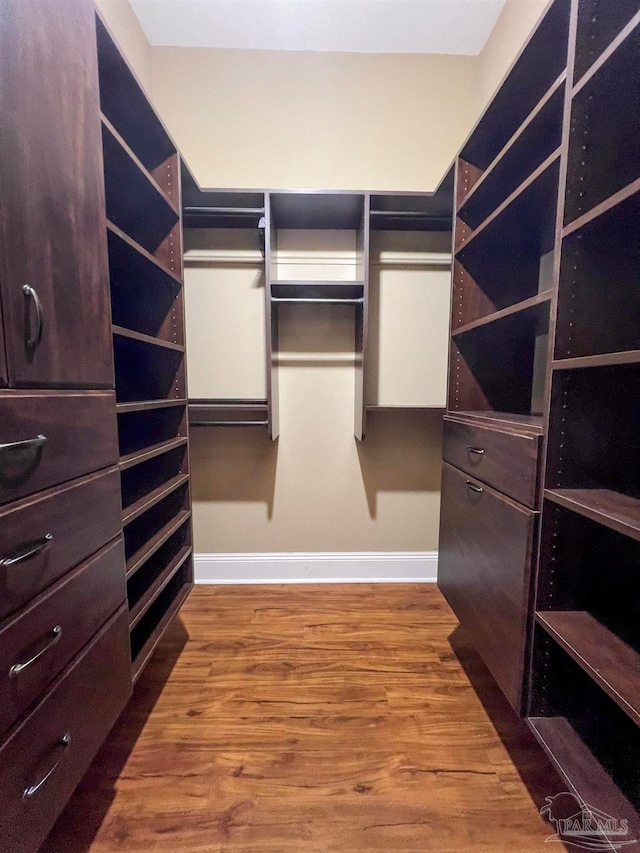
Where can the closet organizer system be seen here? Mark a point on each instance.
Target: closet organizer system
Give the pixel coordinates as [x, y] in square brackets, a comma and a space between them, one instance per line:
[265, 213]
[547, 248]
[95, 553]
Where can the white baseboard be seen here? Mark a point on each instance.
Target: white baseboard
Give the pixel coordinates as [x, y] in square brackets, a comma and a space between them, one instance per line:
[366, 567]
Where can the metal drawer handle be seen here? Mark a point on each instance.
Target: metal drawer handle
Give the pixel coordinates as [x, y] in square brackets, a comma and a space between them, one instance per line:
[31, 552]
[32, 790]
[477, 450]
[18, 459]
[20, 446]
[32, 341]
[17, 668]
[474, 487]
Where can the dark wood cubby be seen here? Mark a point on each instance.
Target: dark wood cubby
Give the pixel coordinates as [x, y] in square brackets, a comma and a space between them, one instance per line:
[604, 156]
[142, 186]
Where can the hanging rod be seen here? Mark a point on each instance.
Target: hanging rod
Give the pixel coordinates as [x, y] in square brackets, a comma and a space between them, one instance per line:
[319, 301]
[225, 211]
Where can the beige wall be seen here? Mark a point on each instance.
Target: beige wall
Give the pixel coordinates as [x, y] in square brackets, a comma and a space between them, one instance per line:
[324, 120]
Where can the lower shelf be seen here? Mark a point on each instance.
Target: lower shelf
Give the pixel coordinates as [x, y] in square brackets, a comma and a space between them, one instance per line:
[607, 659]
[531, 423]
[615, 510]
[584, 775]
[150, 629]
[159, 583]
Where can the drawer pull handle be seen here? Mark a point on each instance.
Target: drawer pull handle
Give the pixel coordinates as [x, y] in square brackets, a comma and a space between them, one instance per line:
[477, 450]
[18, 459]
[31, 552]
[17, 668]
[32, 790]
[474, 487]
[32, 340]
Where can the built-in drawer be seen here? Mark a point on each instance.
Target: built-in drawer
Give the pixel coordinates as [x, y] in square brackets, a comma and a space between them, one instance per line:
[37, 644]
[46, 756]
[50, 437]
[506, 460]
[45, 535]
[484, 566]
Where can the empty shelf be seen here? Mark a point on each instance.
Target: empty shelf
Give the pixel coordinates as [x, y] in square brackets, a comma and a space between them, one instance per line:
[146, 339]
[153, 497]
[530, 423]
[607, 659]
[615, 510]
[141, 658]
[147, 405]
[151, 594]
[156, 541]
[131, 262]
[138, 456]
[228, 412]
[539, 302]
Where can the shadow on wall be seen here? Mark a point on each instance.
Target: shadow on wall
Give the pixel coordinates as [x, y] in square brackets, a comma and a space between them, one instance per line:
[394, 440]
[255, 459]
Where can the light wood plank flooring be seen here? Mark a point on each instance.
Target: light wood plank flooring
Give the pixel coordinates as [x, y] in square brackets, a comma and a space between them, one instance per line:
[313, 719]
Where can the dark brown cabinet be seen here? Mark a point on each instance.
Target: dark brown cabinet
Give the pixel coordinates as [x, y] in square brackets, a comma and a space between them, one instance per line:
[53, 262]
[486, 543]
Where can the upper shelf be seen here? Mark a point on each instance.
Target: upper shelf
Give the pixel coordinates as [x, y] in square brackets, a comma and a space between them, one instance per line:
[317, 209]
[596, 30]
[125, 104]
[415, 212]
[219, 208]
[533, 143]
[539, 63]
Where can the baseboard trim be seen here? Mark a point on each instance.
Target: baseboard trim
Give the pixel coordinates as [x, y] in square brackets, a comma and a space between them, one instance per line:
[365, 567]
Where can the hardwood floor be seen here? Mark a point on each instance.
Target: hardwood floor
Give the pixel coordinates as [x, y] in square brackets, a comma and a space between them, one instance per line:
[313, 719]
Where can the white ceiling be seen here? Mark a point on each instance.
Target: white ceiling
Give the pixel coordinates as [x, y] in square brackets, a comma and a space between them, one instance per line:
[362, 26]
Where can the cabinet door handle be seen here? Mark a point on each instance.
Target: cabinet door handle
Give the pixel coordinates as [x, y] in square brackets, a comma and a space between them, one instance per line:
[32, 790]
[17, 668]
[474, 487]
[32, 340]
[31, 551]
[477, 450]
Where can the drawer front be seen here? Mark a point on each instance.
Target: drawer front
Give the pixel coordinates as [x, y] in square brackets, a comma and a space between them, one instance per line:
[48, 438]
[484, 568]
[44, 536]
[37, 645]
[81, 708]
[508, 461]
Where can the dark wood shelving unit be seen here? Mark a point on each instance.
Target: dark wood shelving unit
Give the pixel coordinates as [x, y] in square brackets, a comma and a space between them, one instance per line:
[506, 222]
[142, 184]
[585, 667]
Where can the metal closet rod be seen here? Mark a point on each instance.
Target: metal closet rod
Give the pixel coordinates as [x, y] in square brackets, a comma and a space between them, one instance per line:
[225, 211]
[318, 301]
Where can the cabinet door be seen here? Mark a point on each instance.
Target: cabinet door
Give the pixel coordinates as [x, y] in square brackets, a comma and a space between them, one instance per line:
[484, 566]
[53, 254]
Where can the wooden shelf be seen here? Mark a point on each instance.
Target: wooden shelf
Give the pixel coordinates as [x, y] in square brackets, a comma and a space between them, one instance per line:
[527, 306]
[145, 601]
[134, 201]
[130, 259]
[539, 178]
[582, 772]
[224, 413]
[124, 102]
[153, 497]
[138, 456]
[142, 658]
[139, 558]
[532, 143]
[602, 208]
[611, 48]
[146, 339]
[111, 129]
[607, 359]
[148, 405]
[529, 423]
[614, 510]
[607, 659]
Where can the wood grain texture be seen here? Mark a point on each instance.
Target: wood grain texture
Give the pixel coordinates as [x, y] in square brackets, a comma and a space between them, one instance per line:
[52, 228]
[484, 566]
[315, 719]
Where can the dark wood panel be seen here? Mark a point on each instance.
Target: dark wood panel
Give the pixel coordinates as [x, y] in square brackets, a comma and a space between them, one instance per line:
[484, 566]
[68, 434]
[508, 461]
[52, 226]
[54, 531]
[83, 706]
[40, 641]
